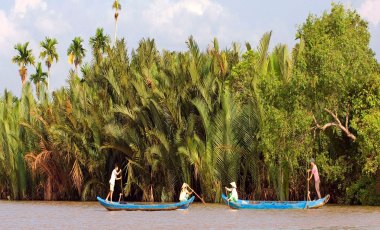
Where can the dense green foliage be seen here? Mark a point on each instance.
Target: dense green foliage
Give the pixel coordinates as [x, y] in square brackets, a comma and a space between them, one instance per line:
[205, 118]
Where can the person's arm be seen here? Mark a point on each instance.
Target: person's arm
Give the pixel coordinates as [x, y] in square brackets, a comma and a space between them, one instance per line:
[119, 174]
[311, 174]
[229, 190]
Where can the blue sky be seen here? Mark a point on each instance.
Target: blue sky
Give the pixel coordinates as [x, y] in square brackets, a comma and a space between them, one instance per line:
[170, 22]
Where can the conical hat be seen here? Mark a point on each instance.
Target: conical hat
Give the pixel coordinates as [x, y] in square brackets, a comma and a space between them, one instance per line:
[233, 184]
[184, 185]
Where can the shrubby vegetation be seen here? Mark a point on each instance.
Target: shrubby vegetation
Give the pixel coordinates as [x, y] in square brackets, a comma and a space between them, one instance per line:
[204, 117]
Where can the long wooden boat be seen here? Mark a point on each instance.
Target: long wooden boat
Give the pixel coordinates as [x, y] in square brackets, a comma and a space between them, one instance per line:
[115, 206]
[247, 204]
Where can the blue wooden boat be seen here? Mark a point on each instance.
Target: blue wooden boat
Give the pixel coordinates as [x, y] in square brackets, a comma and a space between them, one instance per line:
[115, 206]
[247, 204]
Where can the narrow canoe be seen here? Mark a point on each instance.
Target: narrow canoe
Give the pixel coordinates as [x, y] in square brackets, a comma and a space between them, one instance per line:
[247, 204]
[115, 206]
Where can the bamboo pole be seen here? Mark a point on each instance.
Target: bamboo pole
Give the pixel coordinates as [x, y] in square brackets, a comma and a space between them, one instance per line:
[121, 188]
[228, 200]
[196, 194]
[308, 190]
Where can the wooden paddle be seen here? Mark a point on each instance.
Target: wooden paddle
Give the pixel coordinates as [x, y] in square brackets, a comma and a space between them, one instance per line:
[121, 188]
[228, 200]
[308, 190]
[196, 194]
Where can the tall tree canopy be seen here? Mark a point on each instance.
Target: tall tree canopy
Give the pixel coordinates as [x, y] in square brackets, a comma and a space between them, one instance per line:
[76, 52]
[49, 53]
[23, 59]
[339, 76]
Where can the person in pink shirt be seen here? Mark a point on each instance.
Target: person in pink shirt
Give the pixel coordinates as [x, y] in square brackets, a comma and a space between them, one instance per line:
[314, 172]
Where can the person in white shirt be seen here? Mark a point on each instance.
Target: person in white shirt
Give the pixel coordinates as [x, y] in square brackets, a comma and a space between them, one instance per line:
[233, 196]
[116, 172]
[184, 195]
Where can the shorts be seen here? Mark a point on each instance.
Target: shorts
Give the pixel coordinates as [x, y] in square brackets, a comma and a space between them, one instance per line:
[112, 187]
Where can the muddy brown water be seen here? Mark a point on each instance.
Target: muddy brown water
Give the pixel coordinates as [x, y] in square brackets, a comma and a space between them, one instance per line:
[90, 215]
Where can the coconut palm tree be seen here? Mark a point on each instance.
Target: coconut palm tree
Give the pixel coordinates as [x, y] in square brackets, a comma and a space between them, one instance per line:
[23, 59]
[116, 6]
[99, 42]
[76, 52]
[49, 53]
[38, 78]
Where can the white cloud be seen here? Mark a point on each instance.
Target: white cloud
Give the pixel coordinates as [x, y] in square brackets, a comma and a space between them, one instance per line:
[180, 18]
[7, 29]
[51, 25]
[22, 6]
[370, 10]
[199, 7]
[163, 12]
[10, 33]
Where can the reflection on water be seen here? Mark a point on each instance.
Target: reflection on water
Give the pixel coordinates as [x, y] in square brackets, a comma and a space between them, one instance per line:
[90, 215]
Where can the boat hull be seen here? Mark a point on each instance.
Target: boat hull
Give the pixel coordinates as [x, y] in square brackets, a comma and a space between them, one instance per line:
[115, 206]
[247, 204]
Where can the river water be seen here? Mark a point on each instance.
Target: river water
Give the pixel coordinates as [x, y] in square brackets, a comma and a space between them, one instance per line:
[90, 215]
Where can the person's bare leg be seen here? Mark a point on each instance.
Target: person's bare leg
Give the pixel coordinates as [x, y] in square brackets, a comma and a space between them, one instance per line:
[317, 189]
[108, 195]
[111, 196]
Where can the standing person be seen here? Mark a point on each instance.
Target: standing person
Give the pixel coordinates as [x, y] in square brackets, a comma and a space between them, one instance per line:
[184, 195]
[314, 172]
[116, 172]
[233, 196]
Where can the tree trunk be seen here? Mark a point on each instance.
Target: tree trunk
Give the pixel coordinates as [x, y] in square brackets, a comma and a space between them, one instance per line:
[48, 79]
[115, 29]
[48, 191]
[23, 73]
[336, 123]
[38, 90]
[378, 181]
[151, 187]
[76, 69]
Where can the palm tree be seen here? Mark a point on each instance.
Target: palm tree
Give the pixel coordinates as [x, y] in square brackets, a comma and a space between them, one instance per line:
[39, 77]
[99, 43]
[23, 59]
[116, 6]
[49, 53]
[76, 52]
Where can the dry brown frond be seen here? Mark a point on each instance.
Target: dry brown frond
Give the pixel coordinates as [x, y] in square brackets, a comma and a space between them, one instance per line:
[77, 176]
[69, 107]
[38, 117]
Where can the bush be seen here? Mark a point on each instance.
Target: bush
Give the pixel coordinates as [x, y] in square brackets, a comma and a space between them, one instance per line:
[363, 192]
